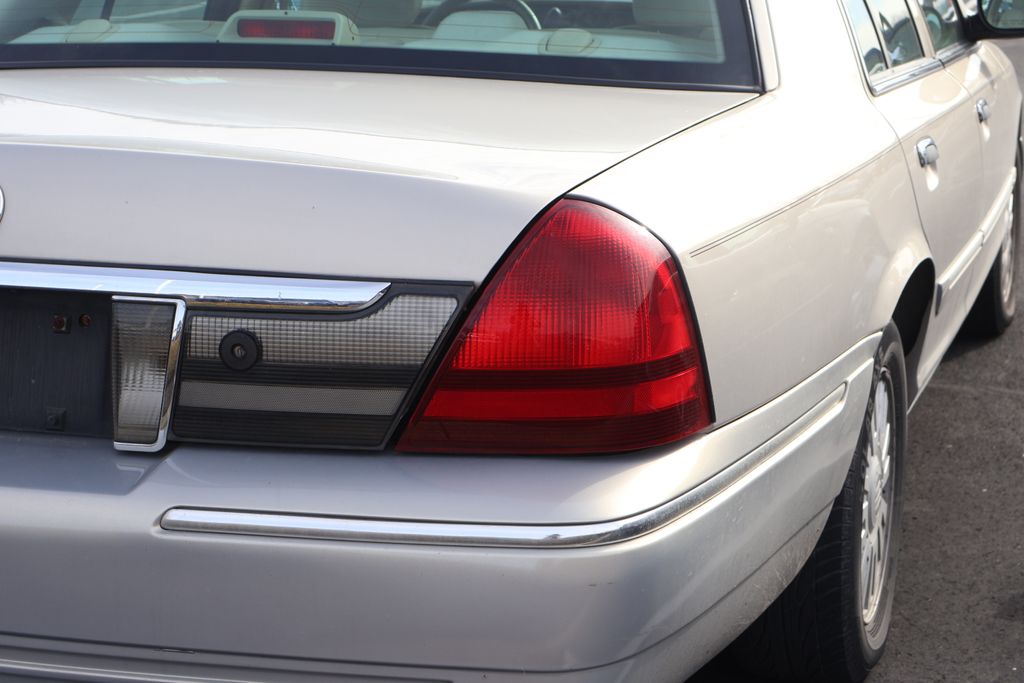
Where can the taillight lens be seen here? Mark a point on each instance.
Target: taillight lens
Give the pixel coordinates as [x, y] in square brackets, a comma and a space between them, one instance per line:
[582, 343]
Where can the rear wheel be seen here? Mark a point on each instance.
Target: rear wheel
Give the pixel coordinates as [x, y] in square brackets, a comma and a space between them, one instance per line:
[996, 304]
[832, 622]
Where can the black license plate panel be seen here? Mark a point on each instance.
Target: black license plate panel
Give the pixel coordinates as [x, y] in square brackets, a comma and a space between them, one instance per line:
[55, 362]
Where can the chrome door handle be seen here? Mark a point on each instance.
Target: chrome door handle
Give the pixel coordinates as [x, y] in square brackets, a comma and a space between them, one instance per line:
[984, 111]
[928, 152]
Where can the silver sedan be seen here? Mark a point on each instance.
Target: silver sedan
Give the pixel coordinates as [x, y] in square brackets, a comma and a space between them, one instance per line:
[507, 340]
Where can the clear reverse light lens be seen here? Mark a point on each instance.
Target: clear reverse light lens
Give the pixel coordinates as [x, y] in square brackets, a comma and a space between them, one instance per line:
[144, 332]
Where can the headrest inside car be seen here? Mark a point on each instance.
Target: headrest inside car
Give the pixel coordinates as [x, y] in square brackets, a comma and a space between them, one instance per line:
[362, 12]
[694, 15]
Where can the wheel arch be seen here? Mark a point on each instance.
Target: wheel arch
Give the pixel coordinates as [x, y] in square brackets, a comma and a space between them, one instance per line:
[906, 295]
[911, 315]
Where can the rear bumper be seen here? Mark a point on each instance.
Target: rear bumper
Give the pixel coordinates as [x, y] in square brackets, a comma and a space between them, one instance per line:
[92, 584]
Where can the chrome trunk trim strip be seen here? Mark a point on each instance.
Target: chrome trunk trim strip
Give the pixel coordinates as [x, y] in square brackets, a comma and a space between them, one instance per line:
[198, 290]
[501, 535]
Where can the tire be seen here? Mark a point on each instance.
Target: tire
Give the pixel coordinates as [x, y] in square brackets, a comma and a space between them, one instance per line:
[996, 304]
[829, 625]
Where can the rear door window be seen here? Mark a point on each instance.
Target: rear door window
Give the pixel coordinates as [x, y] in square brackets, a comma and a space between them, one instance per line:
[896, 26]
[867, 38]
[943, 21]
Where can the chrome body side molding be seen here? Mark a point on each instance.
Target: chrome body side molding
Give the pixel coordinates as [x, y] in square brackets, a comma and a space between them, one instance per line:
[500, 535]
[997, 217]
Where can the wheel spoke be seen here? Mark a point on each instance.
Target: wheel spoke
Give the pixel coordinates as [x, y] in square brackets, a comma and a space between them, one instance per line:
[866, 567]
[1007, 261]
[876, 568]
[883, 454]
[886, 471]
[881, 409]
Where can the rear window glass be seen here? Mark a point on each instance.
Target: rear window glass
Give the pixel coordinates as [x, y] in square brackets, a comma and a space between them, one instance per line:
[675, 43]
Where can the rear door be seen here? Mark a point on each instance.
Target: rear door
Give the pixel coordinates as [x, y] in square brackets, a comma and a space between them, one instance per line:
[982, 69]
[988, 76]
[936, 122]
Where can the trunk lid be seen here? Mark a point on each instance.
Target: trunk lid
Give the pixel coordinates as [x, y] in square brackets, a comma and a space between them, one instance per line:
[307, 173]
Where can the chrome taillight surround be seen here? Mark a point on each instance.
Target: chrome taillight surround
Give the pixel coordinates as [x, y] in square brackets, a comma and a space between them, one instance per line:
[155, 312]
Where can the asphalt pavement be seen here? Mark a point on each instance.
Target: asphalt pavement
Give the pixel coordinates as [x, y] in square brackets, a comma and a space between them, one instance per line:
[959, 609]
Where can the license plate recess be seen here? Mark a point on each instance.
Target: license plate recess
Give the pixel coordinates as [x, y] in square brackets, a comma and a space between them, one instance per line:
[55, 362]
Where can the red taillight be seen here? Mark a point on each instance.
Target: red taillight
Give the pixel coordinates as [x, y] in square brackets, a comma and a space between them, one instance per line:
[581, 343]
[299, 29]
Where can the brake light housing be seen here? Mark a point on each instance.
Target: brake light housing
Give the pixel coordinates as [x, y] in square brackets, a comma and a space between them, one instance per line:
[291, 29]
[582, 342]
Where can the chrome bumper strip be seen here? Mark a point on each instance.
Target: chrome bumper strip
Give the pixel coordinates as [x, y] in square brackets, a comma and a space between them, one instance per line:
[198, 290]
[501, 535]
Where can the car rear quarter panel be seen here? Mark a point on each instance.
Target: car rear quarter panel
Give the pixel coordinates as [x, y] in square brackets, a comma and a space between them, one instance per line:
[793, 215]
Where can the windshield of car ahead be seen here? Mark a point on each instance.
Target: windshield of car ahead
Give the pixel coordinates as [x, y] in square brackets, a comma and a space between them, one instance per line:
[703, 44]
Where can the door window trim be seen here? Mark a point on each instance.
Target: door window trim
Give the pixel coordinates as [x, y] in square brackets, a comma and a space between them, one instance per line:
[960, 50]
[904, 74]
[892, 77]
[950, 53]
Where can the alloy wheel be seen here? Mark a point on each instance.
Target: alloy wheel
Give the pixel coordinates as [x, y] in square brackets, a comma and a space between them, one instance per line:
[1007, 264]
[877, 506]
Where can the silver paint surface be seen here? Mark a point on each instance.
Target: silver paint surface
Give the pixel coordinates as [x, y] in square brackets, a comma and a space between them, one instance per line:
[794, 259]
[595, 606]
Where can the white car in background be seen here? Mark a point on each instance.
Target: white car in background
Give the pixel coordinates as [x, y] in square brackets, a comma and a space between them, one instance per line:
[504, 340]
